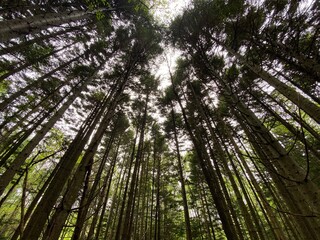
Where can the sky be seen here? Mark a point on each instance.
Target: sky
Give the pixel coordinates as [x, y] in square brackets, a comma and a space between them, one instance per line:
[169, 10]
[165, 14]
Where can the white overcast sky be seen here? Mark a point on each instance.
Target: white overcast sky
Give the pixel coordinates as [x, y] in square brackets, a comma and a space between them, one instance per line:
[169, 10]
[165, 14]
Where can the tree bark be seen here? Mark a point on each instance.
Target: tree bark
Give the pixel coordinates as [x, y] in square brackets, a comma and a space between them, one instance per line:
[181, 178]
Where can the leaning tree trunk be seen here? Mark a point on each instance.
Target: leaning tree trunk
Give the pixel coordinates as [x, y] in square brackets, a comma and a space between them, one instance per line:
[30, 86]
[217, 152]
[44, 207]
[23, 155]
[57, 222]
[295, 198]
[21, 27]
[36, 200]
[305, 104]
[295, 132]
[21, 46]
[285, 166]
[33, 61]
[82, 215]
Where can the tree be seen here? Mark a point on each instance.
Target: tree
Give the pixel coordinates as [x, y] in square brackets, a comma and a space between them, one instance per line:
[91, 146]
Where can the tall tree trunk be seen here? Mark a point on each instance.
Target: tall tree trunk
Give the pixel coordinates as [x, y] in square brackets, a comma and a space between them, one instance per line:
[292, 196]
[111, 223]
[305, 104]
[70, 196]
[35, 201]
[22, 91]
[84, 207]
[21, 27]
[219, 153]
[123, 204]
[30, 63]
[131, 197]
[44, 207]
[181, 178]
[23, 202]
[38, 39]
[298, 134]
[210, 176]
[23, 155]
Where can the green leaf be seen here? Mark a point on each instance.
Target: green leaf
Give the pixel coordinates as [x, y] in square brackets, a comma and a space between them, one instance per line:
[4, 87]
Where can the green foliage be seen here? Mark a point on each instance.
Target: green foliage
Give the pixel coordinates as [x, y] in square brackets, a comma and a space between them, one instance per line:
[122, 123]
[36, 51]
[82, 71]
[277, 5]
[49, 86]
[95, 5]
[97, 96]
[169, 126]
[148, 83]
[4, 86]
[208, 85]
[232, 73]
[167, 98]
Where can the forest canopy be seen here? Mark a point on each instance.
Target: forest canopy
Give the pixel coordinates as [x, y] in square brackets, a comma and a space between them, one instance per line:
[92, 147]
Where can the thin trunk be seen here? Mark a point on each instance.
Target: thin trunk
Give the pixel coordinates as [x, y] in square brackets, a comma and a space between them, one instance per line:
[181, 178]
[224, 190]
[131, 197]
[23, 155]
[83, 204]
[22, 91]
[35, 201]
[291, 196]
[82, 214]
[30, 63]
[44, 207]
[295, 117]
[20, 46]
[219, 154]
[207, 210]
[305, 104]
[300, 136]
[274, 223]
[61, 214]
[21, 27]
[157, 232]
[23, 202]
[216, 193]
[123, 204]
[112, 221]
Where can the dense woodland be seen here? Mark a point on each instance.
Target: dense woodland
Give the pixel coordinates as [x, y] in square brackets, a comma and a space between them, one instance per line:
[92, 148]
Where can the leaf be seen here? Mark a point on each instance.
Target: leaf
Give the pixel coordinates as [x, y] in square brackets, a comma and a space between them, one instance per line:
[4, 86]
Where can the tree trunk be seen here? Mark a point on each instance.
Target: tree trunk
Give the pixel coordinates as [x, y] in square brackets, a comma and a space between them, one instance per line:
[84, 207]
[305, 104]
[70, 196]
[22, 91]
[123, 204]
[41, 213]
[131, 197]
[35, 201]
[21, 27]
[23, 45]
[181, 178]
[23, 155]
[30, 63]
[210, 176]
